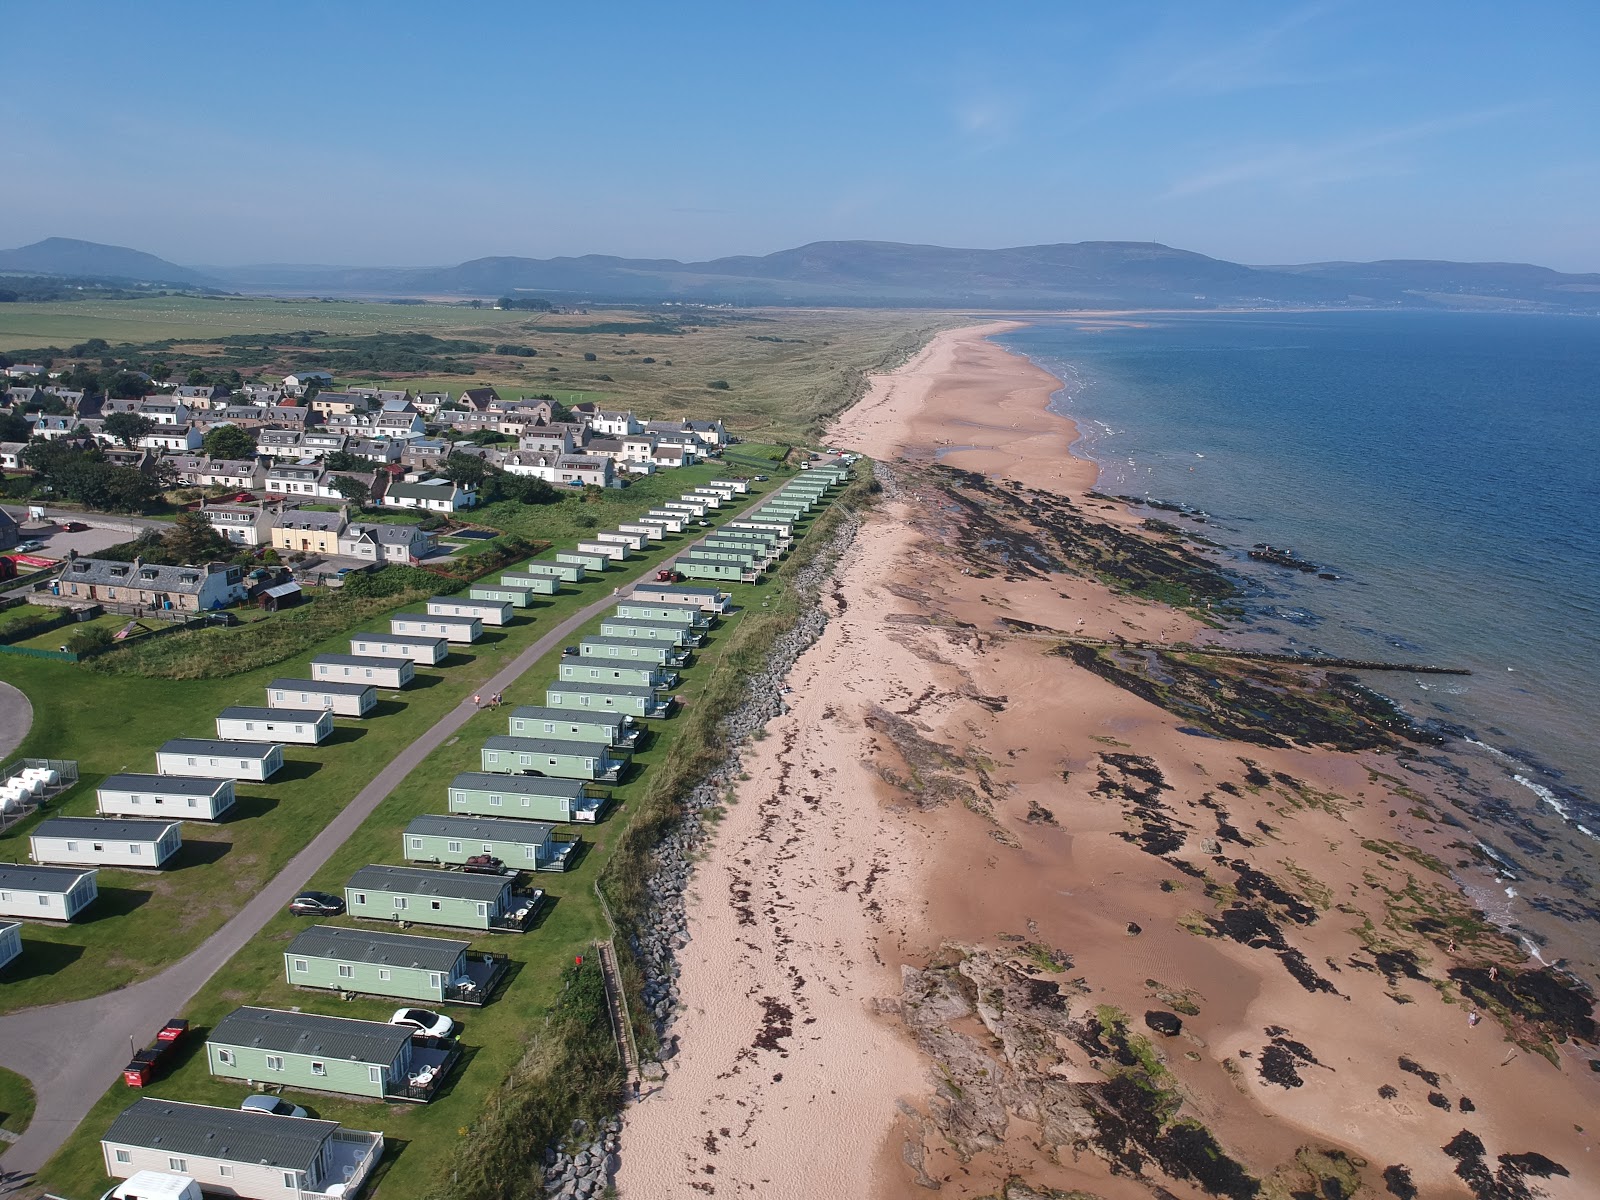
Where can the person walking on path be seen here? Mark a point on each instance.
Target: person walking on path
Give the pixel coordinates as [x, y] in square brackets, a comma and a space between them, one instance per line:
[477, 700]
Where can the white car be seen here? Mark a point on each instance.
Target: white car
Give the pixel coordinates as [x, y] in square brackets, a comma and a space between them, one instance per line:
[273, 1106]
[431, 1023]
[29, 547]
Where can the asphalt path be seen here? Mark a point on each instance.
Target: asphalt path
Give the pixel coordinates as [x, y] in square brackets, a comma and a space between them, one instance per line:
[16, 718]
[73, 1052]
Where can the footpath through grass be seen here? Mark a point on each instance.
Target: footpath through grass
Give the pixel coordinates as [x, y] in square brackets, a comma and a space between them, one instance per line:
[540, 1052]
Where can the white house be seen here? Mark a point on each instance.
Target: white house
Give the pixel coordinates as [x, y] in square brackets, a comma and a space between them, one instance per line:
[614, 424]
[176, 796]
[213, 759]
[386, 543]
[432, 495]
[300, 381]
[361, 668]
[454, 629]
[306, 477]
[341, 699]
[248, 723]
[45, 893]
[242, 524]
[429, 651]
[148, 585]
[490, 612]
[173, 439]
[104, 842]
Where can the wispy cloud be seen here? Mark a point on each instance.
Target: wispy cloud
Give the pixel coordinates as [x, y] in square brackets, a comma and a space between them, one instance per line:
[988, 118]
[1356, 156]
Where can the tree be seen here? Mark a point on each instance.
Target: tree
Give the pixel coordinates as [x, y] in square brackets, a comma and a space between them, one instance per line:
[343, 460]
[197, 378]
[128, 427]
[192, 540]
[463, 469]
[589, 356]
[230, 441]
[125, 385]
[13, 428]
[357, 491]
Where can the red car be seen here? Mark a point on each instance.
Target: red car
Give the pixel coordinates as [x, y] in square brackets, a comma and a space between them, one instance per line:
[145, 1066]
[73, 526]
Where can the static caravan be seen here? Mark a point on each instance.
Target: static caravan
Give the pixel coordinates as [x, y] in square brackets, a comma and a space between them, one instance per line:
[300, 726]
[593, 670]
[455, 899]
[720, 495]
[311, 1052]
[695, 508]
[651, 533]
[538, 585]
[104, 842]
[707, 600]
[762, 538]
[341, 699]
[608, 697]
[462, 630]
[363, 668]
[633, 541]
[671, 632]
[616, 730]
[712, 500]
[517, 597]
[689, 615]
[520, 845]
[10, 942]
[615, 551]
[526, 797]
[739, 554]
[589, 562]
[376, 962]
[419, 648]
[671, 518]
[565, 572]
[254, 1155]
[738, 486]
[213, 759]
[782, 530]
[634, 650]
[490, 612]
[45, 893]
[711, 568]
[593, 761]
[188, 798]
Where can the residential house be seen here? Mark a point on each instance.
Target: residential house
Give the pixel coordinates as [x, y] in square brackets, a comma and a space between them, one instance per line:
[309, 1051]
[431, 495]
[242, 524]
[451, 898]
[528, 797]
[148, 585]
[571, 470]
[246, 474]
[479, 399]
[401, 426]
[11, 460]
[304, 478]
[160, 408]
[608, 423]
[341, 699]
[386, 543]
[287, 414]
[382, 397]
[141, 460]
[72, 398]
[104, 842]
[547, 439]
[45, 893]
[319, 443]
[297, 726]
[254, 1155]
[188, 798]
[299, 529]
[203, 396]
[376, 962]
[378, 450]
[55, 428]
[24, 370]
[424, 453]
[172, 439]
[282, 443]
[429, 403]
[298, 383]
[210, 758]
[334, 404]
[452, 840]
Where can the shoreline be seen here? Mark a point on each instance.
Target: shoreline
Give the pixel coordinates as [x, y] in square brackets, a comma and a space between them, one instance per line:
[1007, 820]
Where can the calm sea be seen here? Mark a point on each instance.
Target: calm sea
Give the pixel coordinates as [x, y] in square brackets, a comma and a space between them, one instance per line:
[1446, 467]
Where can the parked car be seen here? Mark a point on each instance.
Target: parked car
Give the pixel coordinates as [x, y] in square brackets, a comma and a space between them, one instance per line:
[221, 618]
[484, 864]
[155, 1185]
[570, 650]
[273, 1106]
[73, 526]
[430, 1023]
[30, 546]
[316, 904]
[239, 498]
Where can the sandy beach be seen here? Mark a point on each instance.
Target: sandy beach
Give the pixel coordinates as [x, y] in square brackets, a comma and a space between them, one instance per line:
[990, 911]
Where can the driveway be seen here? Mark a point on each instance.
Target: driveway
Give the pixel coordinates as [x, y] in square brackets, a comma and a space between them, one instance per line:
[73, 1052]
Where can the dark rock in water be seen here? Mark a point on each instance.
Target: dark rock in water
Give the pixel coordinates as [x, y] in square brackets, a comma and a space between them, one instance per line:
[1466, 1104]
[1397, 1181]
[1439, 1100]
[1166, 1023]
[1594, 1064]
[1133, 929]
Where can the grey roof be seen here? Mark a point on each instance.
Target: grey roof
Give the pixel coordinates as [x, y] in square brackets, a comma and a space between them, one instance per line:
[595, 688]
[145, 576]
[41, 879]
[438, 489]
[467, 601]
[388, 533]
[399, 639]
[329, 686]
[419, 881]
[527, 745]
[311, 1034]
[287, 1143]
[251, 712]
[218, 746]
[299, 518]
[531, 712]
[639, 643]
[171, 785]
[505, 829]
[378, 947]
[648, 590]
[519, 785]
[283, 589]
[359, 660]
[103, 827]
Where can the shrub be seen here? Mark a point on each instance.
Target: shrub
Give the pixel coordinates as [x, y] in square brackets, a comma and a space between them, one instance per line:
[718, 385]
[90, 639]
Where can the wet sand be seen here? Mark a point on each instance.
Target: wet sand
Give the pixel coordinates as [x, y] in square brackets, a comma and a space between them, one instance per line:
[948, 794]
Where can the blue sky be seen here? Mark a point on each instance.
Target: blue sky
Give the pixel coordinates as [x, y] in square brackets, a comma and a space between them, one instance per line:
[408, 133]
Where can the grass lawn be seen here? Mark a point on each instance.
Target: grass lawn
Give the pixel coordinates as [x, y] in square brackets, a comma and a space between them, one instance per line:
[112, 723]
[16, 1103]
[422, 1138]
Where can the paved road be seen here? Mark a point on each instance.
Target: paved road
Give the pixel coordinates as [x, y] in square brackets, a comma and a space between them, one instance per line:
[73, 1052]
[16, 718]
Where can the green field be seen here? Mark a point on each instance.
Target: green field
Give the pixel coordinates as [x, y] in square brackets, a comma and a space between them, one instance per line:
[16, 1103]
[424, 1140]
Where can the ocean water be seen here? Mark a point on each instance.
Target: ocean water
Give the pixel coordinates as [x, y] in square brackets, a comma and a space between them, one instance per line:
[1446, 467]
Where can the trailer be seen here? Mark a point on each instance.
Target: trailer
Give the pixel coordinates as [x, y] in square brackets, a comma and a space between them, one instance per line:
[536, 583]
[516, 597]
[612, 550]
[251, 723]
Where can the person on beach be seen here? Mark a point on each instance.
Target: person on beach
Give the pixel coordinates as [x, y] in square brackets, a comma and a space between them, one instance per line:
[1473, 1018]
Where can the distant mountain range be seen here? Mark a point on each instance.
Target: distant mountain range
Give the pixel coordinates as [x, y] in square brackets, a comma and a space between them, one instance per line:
[1066, 275]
